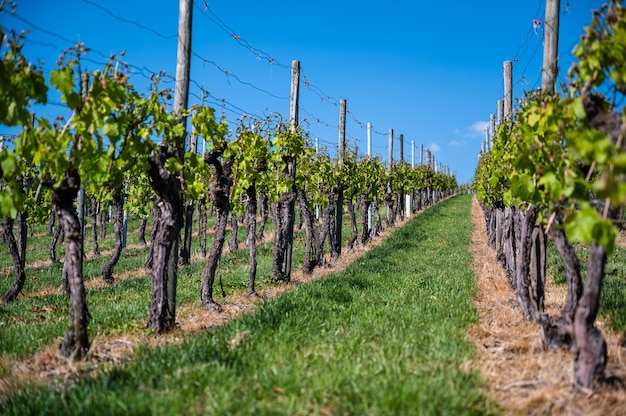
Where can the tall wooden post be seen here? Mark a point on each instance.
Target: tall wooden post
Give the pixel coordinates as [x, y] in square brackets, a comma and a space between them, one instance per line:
[369, 139]
[342, 149]
[410, 196]
[369, 154]
[294, 110]
[550, 68]
[390, 153]
[342, 130]
[183, 64]
[508, 90]
[181, 99]
[295, 96]
[500, 111]
[421, 155]
[401, 148]
[492, 129]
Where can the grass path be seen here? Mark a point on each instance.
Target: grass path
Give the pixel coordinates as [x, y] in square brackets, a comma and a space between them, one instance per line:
[387, 335]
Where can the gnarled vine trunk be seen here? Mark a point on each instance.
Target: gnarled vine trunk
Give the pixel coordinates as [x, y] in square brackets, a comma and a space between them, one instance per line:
[334, 224]
[353, 226]
[141, 234]
[378, 225]
[76, 342]
[202, 218]
[311, 257]
[118, 229]
[284, 222]
[162, 314]
[590, 347]
[264, 211]
[17, 256]
[556, 334]
[185, 252]
[234, 227]
[220, 190]
[156, 213]
[250, 220]
[283, 217]
[52, 249]
[93, 214]
[510, 238]
[365, 205]
[528, 218]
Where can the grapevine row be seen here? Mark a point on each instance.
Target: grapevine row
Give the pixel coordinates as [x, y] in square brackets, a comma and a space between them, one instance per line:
[558, 171]
[123, 148]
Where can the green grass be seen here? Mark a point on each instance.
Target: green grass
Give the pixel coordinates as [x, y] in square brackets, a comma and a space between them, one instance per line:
[385, 336]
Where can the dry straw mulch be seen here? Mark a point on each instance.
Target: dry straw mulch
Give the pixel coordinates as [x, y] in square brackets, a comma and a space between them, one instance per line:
[520, 376]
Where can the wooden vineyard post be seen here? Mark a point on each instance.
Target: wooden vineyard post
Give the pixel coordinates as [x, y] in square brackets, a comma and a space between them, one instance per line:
[508, 90]
[342, 149]
[294, 103]
[549, 68]
[369, 154]
[162, 314]
[389, 193]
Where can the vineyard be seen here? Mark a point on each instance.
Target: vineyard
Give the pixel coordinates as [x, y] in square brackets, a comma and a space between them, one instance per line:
[165, 260]
[557, 170]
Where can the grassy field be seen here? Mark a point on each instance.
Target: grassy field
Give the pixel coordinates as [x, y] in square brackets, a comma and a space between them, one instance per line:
[385, 336]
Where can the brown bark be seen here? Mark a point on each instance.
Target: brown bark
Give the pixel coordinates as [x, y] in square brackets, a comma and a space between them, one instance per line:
[18, 259]
[311, 257]
[51, 222]
[528, 218]
[234, 227]
[93, 214]
[327, 214]
[142, 232]
[283, 219]
[555, 334]
[334, 225]
[264, 211]
[391, 211]
[353, 226]
[538, 268]
[572, 270]
[156, 212]
[52, 249]
[589, 344]
[220, 189]
[510, 239]
[185, 252]
[365, 205]
[76, 342]
[250, 219]
[202, 218]
[378, 225]
[118, 229]
[162, 314]
[284, 222]
[104, 220]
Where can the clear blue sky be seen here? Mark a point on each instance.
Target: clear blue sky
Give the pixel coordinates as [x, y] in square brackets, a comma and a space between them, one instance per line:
[431, 71]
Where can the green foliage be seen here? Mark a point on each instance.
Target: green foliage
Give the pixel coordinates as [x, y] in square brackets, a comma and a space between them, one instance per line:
[554, 156]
